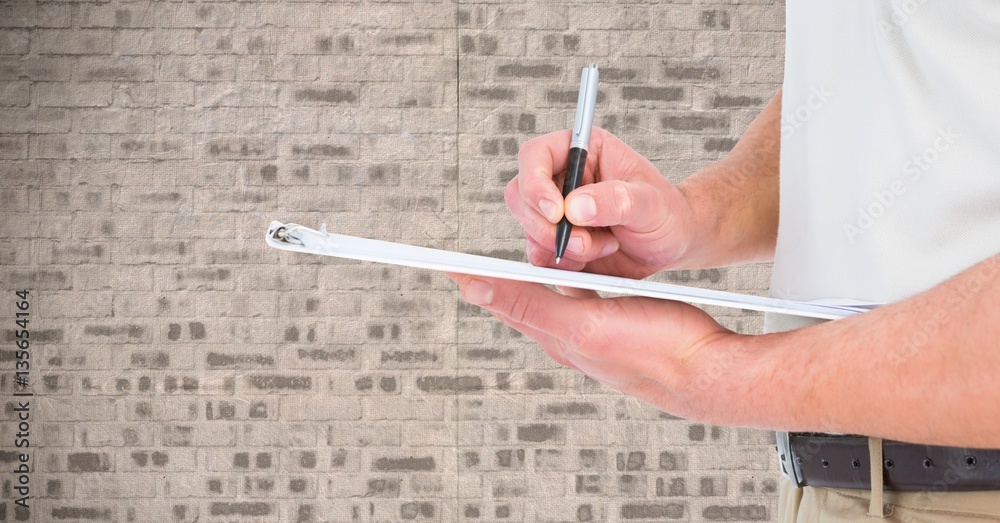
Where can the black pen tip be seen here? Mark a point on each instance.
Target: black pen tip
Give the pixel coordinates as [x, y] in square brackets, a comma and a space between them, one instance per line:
[557, 260]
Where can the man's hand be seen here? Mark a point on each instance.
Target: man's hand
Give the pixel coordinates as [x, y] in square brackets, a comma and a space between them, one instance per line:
[629, 221]
[656, 350]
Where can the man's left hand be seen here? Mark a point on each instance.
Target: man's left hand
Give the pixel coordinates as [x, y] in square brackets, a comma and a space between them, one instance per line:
[656, 350]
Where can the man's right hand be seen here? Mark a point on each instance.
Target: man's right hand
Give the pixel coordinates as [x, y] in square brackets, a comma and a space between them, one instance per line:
[627, 219]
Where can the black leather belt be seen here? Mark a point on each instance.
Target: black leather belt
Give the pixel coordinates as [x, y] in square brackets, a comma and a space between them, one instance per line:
[825, 460]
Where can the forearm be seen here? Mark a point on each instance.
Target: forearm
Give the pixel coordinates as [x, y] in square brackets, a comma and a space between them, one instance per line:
[923, 370]
[735, 201]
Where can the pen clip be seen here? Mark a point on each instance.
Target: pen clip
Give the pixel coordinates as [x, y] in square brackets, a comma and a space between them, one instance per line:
[584, 119]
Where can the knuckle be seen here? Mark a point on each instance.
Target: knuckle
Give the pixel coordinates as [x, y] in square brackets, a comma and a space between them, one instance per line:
[519, 307]
[622, 198]
[510, 193]
[527, 147]
[539, 232]
[592, 333]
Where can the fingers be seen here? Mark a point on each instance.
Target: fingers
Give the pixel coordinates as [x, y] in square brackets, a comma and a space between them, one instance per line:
[625, 198]
[535, 226]
[543, 159]
[473, 291]
[636, 205]
[537, 161]
[556, 349]
[578, 293]
[584, 247]
[530, 304]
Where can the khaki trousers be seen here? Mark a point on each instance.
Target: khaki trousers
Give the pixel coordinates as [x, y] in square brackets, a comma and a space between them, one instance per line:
[808, 504]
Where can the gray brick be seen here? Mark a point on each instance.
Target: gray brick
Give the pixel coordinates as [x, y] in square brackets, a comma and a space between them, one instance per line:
[146, 42]
[118, 16]
[117, 121]
[334, 95]
[68, 42]
[719, 144]
[13, 147]
[449, 384]
[80, 409]
[191, 15]
[35, 68]
[76, 146]
[199, 436]
[303, 15]
[122, 485]
[726, 101]
[236, 95]
[14, 42]
[691, 72]
[529, 16]
[735, 513]
[63, 94]
[423, 463]
[611, 17]
[276, 382]
[538, 433]
[15, 94]
[523, 70]
[241, 509]
[587, 44]
[34, 121]
[35, 15]
[296, 408]
[651, 511]
[663, 94]
[151, 148]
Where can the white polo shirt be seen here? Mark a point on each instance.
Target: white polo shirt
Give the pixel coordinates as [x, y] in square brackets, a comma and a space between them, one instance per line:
[890, 147]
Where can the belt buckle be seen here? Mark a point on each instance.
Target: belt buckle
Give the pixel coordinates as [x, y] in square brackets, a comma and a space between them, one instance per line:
[786, 459]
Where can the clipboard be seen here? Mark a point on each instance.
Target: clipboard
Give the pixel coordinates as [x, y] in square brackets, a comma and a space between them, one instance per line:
[297, 238]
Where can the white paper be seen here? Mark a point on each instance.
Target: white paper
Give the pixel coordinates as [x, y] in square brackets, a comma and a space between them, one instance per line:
[303, 239]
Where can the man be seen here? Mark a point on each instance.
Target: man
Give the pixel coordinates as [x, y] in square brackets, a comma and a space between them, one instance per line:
[889, 132]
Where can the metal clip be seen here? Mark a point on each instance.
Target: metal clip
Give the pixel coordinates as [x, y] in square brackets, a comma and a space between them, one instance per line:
[786, 459]
[282, 234]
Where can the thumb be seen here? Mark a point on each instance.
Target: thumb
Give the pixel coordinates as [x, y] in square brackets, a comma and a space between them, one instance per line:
[636, 205]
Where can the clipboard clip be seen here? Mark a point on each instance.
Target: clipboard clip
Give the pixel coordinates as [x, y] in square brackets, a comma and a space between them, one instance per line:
[282, 233]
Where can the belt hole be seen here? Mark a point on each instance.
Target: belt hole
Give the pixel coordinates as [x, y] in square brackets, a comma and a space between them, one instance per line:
[855, 463]
[826, 464]
[970, 461]
[889, 464]
[928, 463]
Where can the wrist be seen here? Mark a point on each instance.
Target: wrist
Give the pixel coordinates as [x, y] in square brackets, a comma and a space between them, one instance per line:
[734, 214]
[736, 380]
[700, 218]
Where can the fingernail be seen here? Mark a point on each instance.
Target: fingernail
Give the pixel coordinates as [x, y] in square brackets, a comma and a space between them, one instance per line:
[575, 245]
[610, 248]
[548, 209]
[583, 208]
[478, 292]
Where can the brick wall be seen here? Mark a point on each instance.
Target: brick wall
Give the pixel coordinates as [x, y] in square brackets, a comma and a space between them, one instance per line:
[184, 371]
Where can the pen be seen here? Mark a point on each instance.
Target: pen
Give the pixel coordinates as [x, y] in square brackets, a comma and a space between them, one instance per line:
[578, 149]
